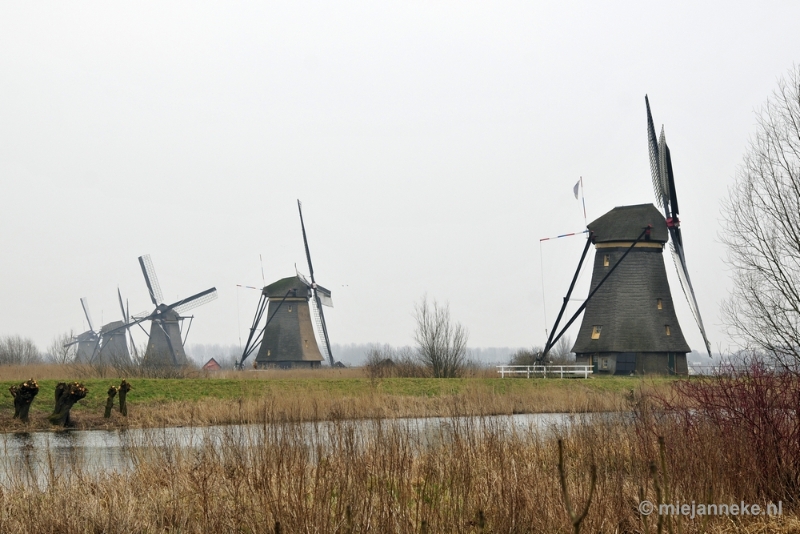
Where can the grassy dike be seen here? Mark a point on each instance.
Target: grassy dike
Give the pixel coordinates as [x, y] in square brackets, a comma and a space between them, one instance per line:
[248, 397]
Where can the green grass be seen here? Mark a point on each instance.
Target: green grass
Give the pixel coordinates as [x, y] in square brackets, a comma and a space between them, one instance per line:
[156, 391]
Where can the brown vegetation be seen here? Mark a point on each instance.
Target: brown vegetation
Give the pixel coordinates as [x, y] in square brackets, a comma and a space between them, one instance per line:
[467, 475]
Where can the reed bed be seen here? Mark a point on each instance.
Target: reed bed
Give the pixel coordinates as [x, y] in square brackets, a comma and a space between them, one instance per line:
[467, 474]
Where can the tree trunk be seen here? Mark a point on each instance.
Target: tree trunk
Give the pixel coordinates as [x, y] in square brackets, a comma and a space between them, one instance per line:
[112, 392]
[23, 397]
[66, 396]
[124, 388]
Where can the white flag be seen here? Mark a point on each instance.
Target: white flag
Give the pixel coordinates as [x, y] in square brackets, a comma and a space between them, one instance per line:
[575, 189]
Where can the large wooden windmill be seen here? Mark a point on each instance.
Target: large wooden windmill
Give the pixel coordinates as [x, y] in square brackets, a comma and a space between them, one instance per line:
[630, 325]
[293, 307]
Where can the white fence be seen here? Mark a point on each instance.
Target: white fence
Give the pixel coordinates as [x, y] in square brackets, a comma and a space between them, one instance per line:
[546, 371]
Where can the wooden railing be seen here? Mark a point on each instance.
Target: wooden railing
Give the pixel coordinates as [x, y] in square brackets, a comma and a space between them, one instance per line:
[546, 371]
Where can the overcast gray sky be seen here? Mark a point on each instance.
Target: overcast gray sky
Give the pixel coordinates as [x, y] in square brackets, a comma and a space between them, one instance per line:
[432, 144]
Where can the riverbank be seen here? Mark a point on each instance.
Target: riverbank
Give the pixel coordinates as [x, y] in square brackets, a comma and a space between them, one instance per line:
[467, 475]
[328, 395]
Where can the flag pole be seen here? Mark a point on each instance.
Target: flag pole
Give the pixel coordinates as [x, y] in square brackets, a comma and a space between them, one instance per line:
[583, 200]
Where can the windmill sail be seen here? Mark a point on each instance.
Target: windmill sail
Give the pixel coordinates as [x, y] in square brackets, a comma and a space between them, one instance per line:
[655, 168]
[204, 297]
[317, 298]
[688, 290]
[85, 305]
[319, 330]
[324, 296]
[150, 278]
[666, 195]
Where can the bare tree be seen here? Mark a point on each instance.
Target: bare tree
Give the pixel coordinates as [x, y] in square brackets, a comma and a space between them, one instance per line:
[441, 342]
[560, 353]
[60, 350]
[762, 231]
[16, 350]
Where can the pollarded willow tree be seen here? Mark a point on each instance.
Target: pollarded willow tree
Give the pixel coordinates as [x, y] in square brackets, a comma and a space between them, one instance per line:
[762, 231]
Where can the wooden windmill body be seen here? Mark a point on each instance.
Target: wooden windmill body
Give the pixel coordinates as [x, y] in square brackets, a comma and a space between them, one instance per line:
[165, 344]
[114, 345]
[629, 325]
[289, 340]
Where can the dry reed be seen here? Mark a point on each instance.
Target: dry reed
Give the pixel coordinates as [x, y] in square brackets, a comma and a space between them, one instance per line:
[375, 475]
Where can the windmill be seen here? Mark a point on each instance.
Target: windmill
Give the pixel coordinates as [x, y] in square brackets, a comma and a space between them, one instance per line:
[630, 324]
[88, 341]
[114, 340]
[165, 344]
[106, 346]
[291, 304]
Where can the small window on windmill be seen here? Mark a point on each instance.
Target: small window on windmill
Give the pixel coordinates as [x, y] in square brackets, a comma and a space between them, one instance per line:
[666, 329]
[306, 342]
[659, 304]
[269, 352]
[290, 309]
[603, 363]
[596, 331]
[605, 260]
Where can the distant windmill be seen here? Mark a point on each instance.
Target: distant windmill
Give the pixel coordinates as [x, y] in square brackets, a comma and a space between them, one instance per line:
[88, 341]
[114, 339]
[165, 345]
[630, 324]
[291, 304]
[108, 346]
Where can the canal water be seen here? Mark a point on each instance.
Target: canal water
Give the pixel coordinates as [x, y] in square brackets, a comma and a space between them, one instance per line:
[35, 457]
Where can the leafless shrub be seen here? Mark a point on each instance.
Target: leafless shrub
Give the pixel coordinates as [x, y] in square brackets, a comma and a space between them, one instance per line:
[739, 421]
[526, 356]
[16, 350]
[441, 342]
[385, 361]
[61, 350]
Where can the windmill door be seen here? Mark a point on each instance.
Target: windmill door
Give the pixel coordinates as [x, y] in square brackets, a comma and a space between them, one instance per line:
[671, 362]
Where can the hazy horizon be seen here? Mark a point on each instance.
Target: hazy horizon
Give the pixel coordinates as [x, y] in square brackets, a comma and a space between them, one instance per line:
[432, 144]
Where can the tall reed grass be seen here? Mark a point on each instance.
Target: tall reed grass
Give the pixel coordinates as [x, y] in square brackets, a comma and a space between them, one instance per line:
[467, 475]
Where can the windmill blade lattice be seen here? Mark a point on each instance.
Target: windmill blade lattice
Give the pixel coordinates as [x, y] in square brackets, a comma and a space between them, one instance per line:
[665, 192]
[321, 323]
[151, 279]
[655, 168]
[686, 284]
[194, 301]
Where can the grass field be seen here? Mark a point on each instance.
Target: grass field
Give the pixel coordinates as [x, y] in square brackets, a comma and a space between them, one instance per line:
[303, 395]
